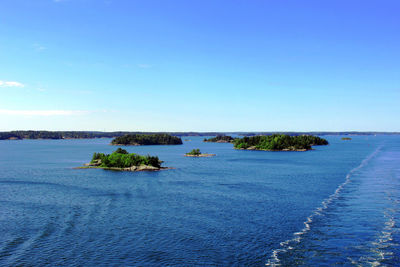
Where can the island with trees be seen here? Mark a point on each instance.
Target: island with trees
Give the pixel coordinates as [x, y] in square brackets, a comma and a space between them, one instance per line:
[146, 139]
[220, 139]
[346, 138]
[55, 135]
[279, 142]
[121, 160]
[196, 153]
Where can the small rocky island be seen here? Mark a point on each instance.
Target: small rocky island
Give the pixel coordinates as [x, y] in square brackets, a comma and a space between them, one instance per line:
[220, 139]
[198, 154]
[279, 142]
[121, 160]
[346, 138]
[146, 140]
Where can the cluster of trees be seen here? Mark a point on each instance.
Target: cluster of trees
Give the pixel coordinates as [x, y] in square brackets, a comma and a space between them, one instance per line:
[122, 159]
[147, 139]
[279, 142]
[194, 152]
[220, 138]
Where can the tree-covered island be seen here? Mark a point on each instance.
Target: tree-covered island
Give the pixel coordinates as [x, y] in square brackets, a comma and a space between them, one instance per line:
[121, 160]
[279, 142]
[196, 153]
[220, 139]
[146, 139]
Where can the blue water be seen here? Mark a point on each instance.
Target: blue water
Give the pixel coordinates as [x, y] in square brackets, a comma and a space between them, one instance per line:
[338, 204]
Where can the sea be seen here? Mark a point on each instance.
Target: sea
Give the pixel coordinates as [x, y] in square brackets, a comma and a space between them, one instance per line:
[336, 205]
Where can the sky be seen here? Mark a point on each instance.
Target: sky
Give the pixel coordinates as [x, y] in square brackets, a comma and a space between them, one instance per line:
[200, 65]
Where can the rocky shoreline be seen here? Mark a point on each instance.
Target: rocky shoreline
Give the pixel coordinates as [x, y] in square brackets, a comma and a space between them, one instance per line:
[285, 149]
[200, 155]
[96, 164]
[130, 169]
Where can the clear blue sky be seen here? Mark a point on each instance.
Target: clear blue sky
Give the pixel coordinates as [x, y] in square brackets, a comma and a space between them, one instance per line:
[207, 65]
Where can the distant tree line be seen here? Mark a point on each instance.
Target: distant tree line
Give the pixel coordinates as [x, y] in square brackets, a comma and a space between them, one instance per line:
[279, 142]
[147, 139]
[83, 134]
[96, 134]
[220, 138]
[122, 159]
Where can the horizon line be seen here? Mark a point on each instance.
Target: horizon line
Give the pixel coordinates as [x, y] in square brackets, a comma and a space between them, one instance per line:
[137, 131]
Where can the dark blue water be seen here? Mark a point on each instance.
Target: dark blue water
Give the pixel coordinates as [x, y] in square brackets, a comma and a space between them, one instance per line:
[338, 204]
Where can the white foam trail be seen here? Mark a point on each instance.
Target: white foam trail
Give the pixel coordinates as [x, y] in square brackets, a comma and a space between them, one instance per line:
[384, 240]
[286, 245]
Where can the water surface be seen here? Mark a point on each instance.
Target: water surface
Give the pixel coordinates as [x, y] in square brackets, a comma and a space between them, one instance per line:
[239, 208]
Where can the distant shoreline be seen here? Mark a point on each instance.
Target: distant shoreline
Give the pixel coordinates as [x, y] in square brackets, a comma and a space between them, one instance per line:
[205, 155]
[59, 135]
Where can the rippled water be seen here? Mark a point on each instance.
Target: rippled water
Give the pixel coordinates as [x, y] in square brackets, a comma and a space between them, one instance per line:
[338, 204]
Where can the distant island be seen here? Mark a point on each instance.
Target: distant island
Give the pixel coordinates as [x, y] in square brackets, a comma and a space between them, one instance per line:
[146, 139]
[220, 139]
[197, 153]
[19, 135]
[279, 142]
[121, 160]
[346, 138]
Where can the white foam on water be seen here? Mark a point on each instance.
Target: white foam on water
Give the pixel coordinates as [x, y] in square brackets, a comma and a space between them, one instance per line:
[384, 240]
[289, 244]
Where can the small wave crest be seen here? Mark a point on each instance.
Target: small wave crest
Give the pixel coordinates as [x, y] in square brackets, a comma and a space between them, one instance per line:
[297, 236]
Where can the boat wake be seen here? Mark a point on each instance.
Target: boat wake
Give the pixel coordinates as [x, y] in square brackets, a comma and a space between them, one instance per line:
[385, 244]
[297, 236]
